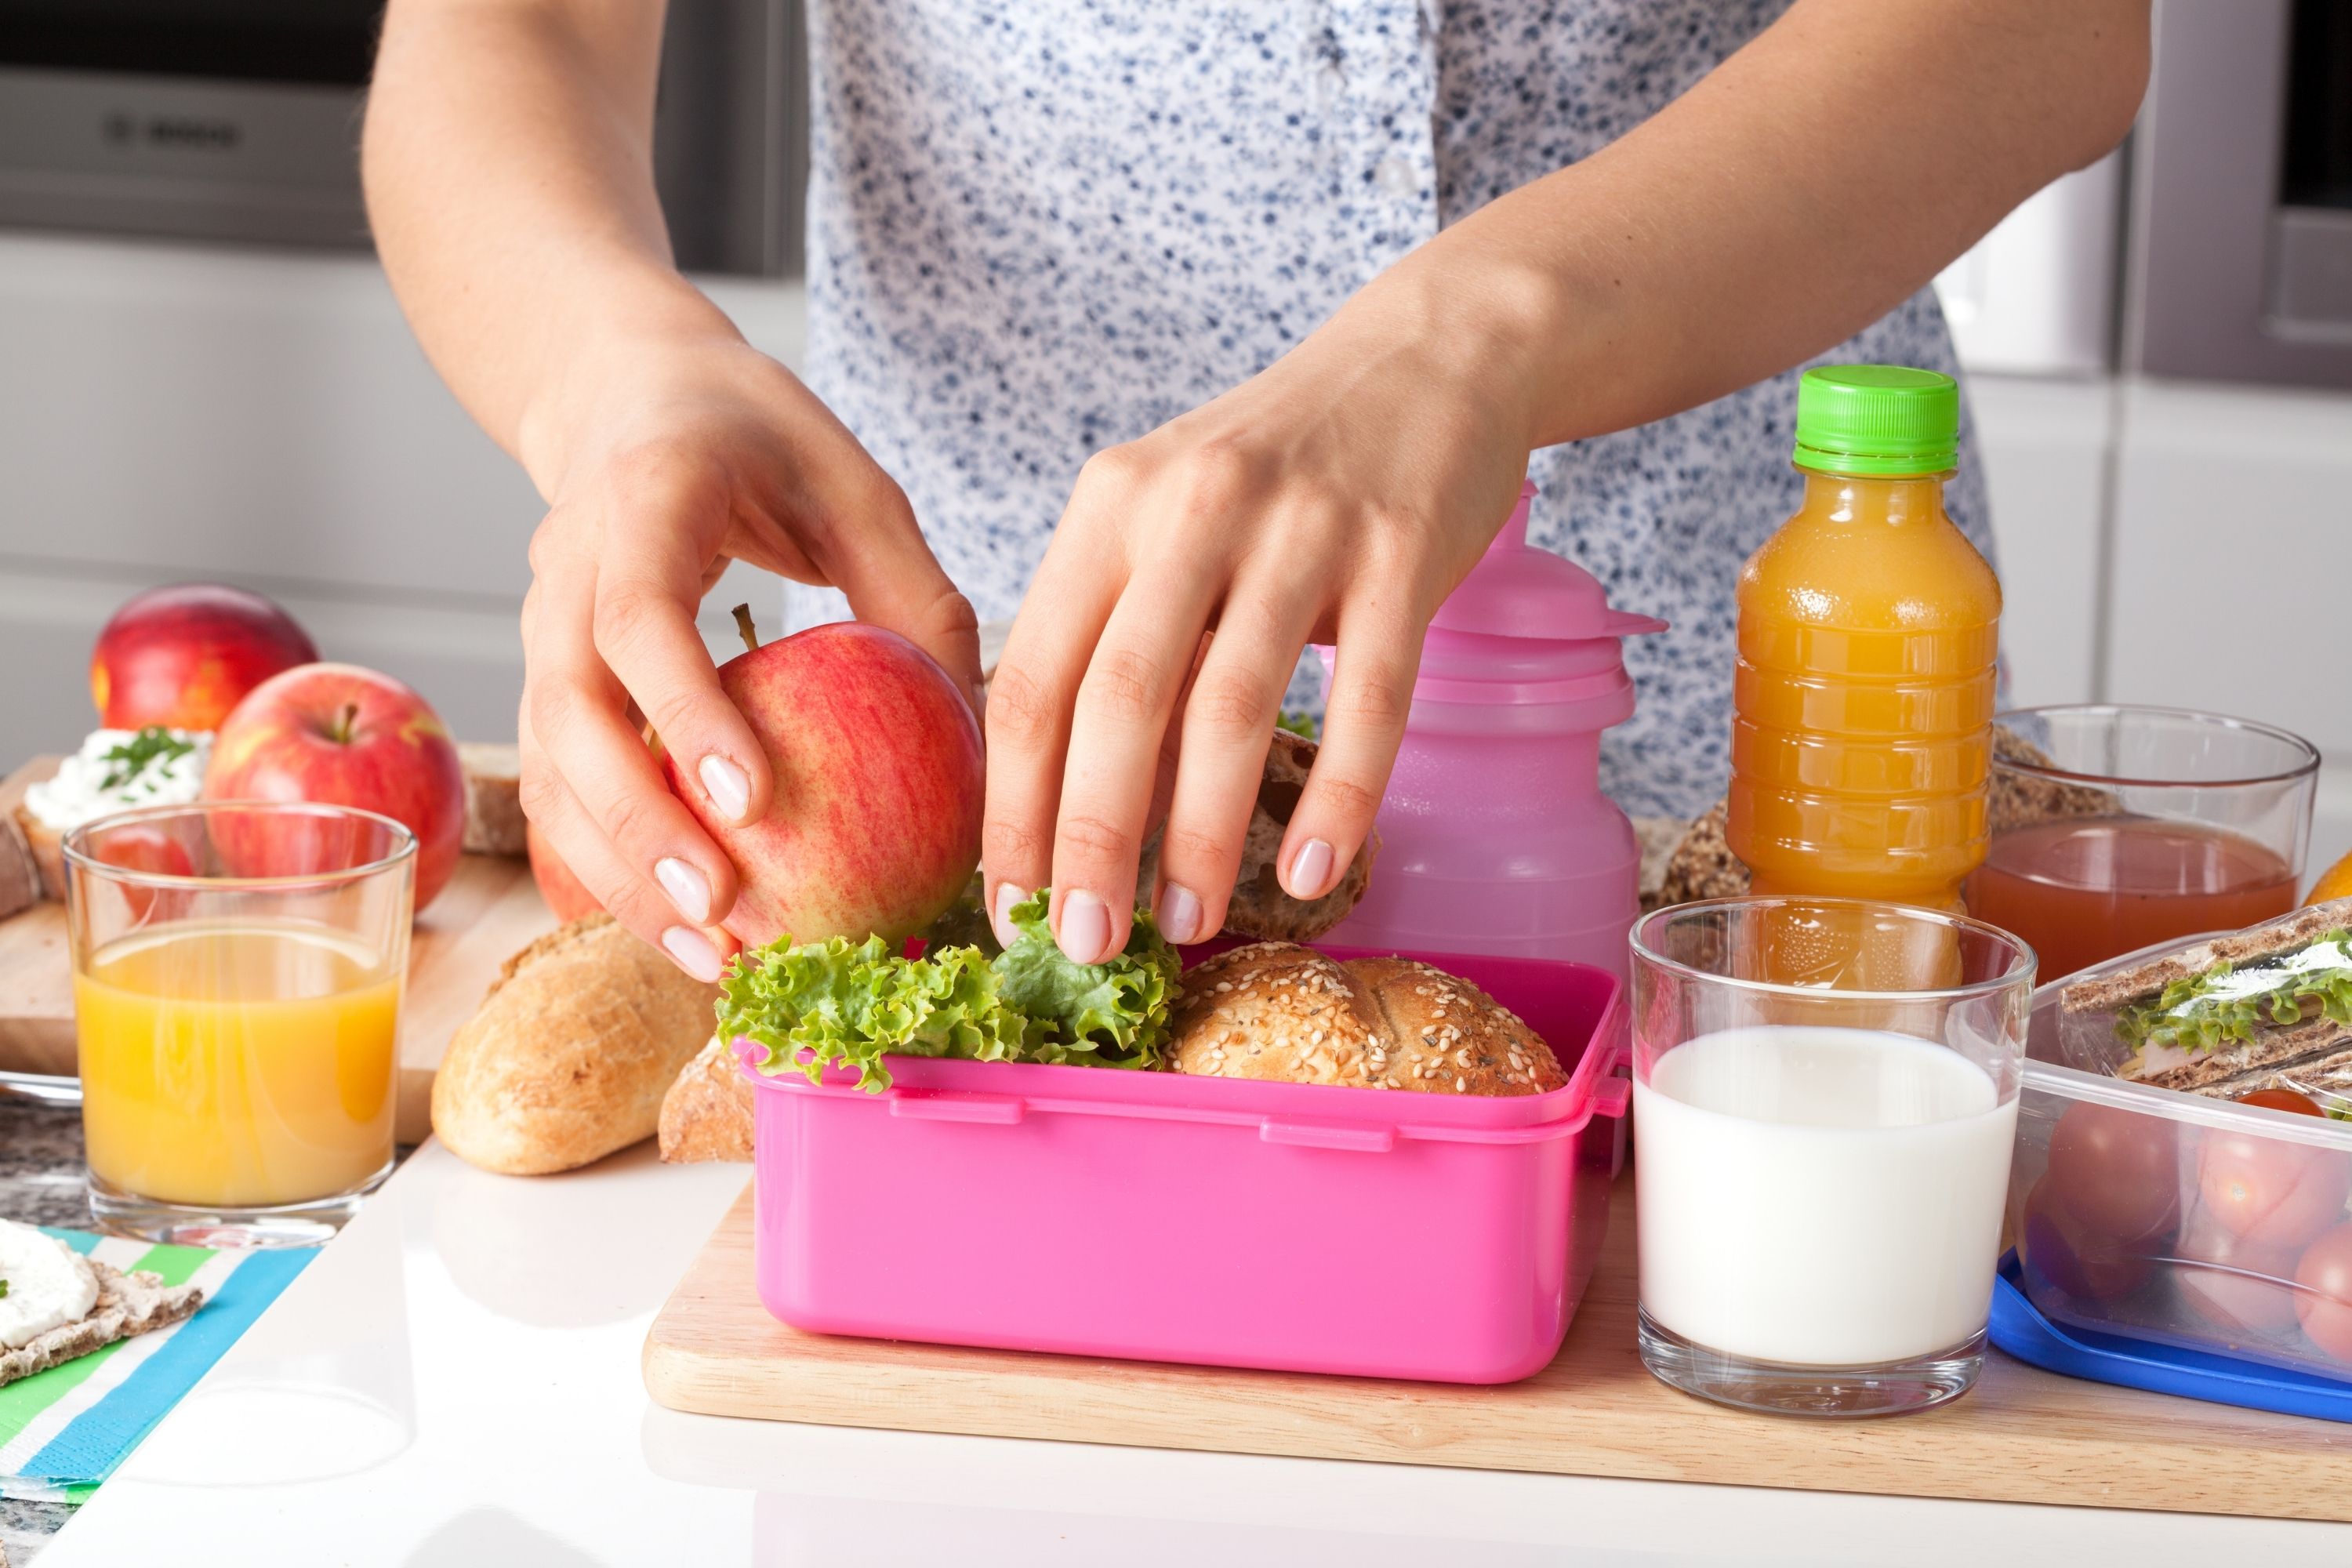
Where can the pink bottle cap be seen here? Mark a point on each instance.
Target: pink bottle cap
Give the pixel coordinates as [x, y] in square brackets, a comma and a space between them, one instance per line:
[1519, 591]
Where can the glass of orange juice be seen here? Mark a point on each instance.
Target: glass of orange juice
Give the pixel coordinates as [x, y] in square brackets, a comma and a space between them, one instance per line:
[238, 970]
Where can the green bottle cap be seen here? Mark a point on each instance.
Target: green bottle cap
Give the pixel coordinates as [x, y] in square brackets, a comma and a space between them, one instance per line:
[1876, 420]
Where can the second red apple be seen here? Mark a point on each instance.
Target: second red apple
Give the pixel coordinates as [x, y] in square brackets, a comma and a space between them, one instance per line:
[341, 735]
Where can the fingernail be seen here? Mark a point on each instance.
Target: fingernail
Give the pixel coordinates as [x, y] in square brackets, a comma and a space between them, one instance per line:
[1000, 913]
[687, 888]
[727, 787]
[693, 952]
[1310, 870]
[1180, 914]
[1084, 933]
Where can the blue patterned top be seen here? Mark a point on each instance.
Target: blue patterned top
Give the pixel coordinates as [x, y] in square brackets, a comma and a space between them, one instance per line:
[1039, 227]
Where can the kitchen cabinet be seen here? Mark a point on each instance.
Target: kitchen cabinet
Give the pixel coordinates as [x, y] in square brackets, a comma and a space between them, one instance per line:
[2044, 443]
[262, 418]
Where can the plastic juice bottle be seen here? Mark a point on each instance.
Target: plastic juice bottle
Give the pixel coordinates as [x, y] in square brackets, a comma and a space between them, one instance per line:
[1868, 633]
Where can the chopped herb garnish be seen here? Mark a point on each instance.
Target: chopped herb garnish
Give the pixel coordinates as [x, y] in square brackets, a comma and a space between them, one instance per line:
[135, 755]
[4, 1289]
[1304, 725]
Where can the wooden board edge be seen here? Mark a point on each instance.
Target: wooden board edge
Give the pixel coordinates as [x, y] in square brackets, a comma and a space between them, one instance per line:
[927, 1389]
[981, 1404]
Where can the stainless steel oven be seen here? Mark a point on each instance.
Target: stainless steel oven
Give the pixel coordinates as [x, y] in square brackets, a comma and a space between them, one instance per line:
[237, 120]
[2240, 258]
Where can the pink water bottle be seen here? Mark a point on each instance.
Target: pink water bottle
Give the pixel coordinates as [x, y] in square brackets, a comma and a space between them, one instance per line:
[1494, 836]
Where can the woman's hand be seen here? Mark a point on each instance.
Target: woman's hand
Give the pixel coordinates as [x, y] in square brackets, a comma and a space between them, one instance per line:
[1338, 497]
[687, 454]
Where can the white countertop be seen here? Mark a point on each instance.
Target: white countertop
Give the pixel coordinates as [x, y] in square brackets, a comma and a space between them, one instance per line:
[455, 1382]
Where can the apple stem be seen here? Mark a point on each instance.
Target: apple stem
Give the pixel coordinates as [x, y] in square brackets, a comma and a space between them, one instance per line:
[743, 625]
[344, 721]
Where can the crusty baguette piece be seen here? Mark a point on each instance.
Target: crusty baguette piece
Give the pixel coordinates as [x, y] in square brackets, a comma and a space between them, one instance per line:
[127, 1304]
[494, 820]
[707, 1114]
[1278, 1012]
[1259, 907]
[569, 1056]
[2109, 992]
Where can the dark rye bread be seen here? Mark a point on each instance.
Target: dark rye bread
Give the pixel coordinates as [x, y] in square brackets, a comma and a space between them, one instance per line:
[2108, 991]
[1281, 1013]
[1259, 906]
[2233, 1068]
[2327, 1071]
[2020, 799]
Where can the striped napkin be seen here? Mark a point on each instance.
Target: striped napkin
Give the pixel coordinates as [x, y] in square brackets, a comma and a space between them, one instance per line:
[64, 1430]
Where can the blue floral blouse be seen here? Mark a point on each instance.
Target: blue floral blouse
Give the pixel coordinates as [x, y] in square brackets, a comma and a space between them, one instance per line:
[1039, 227]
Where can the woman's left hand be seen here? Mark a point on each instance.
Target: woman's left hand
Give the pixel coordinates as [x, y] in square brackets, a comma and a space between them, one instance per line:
[1338, 497]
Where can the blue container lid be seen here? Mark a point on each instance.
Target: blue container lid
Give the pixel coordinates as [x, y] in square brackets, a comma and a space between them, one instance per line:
[2019, 1328]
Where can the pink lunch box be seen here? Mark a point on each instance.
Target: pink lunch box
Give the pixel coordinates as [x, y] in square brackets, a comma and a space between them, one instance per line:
[1155, 1217]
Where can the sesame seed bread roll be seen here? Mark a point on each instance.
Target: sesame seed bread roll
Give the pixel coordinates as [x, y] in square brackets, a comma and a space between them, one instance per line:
[1278, 1012]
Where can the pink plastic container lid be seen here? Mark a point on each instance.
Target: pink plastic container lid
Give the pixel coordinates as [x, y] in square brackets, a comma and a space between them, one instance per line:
[1158, 1216]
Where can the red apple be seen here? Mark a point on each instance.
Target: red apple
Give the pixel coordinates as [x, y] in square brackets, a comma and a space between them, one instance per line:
[183, 656]
[875, 823]
[566, 897]
[339, 735]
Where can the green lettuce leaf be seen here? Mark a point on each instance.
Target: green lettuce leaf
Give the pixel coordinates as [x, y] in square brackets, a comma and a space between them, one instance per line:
[1106, 1014]
[2226, 1003]
[849, 1003]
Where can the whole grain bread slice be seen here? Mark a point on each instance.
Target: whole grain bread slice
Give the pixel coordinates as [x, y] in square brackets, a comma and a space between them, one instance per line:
[2108, 991]
[127, 1304]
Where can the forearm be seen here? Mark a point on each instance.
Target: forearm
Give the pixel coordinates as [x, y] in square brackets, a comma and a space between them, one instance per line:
[1803, 189]
[508, 164]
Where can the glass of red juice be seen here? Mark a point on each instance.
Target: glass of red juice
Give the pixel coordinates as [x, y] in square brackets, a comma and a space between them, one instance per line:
[2147, 823]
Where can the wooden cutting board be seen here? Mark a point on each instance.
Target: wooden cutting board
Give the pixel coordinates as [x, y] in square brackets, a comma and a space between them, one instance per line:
[2022, 1435]
[489, 910]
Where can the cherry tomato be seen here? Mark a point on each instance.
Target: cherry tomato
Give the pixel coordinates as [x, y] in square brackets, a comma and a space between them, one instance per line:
[2324, 1304]
[2238, 1286]
[2118, 1171]
[2270, 1192]
[2061, 1252]
[2283, 1100]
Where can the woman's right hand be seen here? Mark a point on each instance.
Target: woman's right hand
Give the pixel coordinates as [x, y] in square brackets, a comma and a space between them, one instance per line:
[682, 456]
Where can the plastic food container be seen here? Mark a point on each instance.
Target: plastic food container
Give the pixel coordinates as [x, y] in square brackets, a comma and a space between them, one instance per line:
[2178, 1219]
[1150, 1216]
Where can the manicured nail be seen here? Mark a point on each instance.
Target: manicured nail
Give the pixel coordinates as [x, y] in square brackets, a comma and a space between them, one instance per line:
[1000, 913]
[693, 952]
[1085, 933]
[687, 888]
[1180, 914]
[1311, 870]
[727, 787]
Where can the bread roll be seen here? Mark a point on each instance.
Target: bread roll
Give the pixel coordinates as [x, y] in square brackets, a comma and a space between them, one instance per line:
[568, 1058]
[1280, 1012]
[707, 1114]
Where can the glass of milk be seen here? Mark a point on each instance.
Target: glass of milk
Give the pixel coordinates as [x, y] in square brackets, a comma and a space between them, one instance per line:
[1821, 1168]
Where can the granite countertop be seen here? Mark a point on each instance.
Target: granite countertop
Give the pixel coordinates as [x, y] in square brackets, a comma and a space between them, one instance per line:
[40, 1183]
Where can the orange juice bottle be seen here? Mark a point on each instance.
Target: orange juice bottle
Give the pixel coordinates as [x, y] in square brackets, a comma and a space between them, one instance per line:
[1868, 629]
